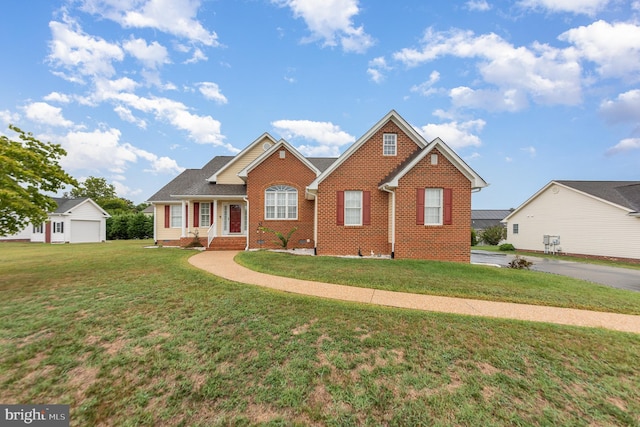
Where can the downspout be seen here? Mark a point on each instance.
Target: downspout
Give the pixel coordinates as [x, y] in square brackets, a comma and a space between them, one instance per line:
[184, 219]
[246, 200]
[393, 220]
[315, 224]
[155, 219]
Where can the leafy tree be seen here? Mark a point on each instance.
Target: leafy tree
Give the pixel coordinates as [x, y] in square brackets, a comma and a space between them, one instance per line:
[28, 169]
[98, 189]
[493, 235]
[118, 205]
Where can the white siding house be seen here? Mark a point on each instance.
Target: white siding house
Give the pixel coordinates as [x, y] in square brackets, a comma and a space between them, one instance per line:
[74, 221]
[598, 218]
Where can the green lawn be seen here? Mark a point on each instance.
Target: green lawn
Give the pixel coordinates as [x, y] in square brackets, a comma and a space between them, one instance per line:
[449, 279]
[130, 336]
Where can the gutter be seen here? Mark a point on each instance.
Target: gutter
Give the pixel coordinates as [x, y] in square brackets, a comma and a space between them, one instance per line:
[393, 218]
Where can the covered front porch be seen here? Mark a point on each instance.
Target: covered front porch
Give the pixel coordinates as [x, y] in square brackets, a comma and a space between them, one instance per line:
[218, 224]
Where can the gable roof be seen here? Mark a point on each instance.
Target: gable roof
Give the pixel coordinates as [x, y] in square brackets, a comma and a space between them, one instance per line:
[243, 174]
[214, 177]
[66, 206]
[622, 194]
[194, 182]
[482, 219]
[390, 116]
[392, 180]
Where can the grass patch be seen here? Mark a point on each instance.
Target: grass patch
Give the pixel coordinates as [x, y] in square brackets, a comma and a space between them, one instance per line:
[131, 336]
[448, 279]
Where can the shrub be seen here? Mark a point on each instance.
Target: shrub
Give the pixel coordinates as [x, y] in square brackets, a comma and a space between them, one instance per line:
[520, 263]
[474, 238]
[506, 247]
[493, 235]
[283, 240]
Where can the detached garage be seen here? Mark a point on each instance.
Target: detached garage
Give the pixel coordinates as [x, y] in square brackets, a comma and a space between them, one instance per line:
[74, 221]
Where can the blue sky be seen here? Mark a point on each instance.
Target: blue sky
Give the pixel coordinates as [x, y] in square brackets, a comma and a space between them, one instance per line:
[137, 90]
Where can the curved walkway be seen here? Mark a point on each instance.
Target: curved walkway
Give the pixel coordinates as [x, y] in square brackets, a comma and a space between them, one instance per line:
[221, 264]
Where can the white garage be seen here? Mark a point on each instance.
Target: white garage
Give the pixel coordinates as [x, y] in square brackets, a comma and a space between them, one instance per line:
[85, 231]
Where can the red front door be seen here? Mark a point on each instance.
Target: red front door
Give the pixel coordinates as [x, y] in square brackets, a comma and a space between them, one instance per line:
[235, 219]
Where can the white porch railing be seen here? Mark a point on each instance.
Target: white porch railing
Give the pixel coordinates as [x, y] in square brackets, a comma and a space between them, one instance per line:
[211, 233]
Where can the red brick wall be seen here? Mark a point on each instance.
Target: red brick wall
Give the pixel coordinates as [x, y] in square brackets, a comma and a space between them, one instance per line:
[439, 242]
[276, 171]
[363, 170]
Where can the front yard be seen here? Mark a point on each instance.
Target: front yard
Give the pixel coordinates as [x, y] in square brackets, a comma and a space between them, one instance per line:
[131, 336]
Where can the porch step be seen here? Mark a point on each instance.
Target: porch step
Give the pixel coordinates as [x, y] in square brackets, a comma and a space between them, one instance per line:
[228, 244]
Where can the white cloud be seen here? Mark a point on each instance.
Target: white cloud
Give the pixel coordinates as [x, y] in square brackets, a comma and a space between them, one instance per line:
[329, 136]
[79, 53]
[625, 108]
[7, 118]
[43, 113]
[490, 100]
[198, 55]
[102, 151]
[176, 17]
[151, 55]
[615, 48]
[211, 91]
[478, 5]
[126, 115]
[545, 74]
[624, 145]
[588, 7]
[376, 68]
[332, 22]
[455, 134]
[57, 97]
[530, 150]
[426, 88]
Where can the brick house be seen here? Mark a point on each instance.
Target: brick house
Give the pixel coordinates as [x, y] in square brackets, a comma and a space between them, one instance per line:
[390, 193]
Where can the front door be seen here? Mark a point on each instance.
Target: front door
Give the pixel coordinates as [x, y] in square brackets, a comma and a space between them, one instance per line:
[235, 219]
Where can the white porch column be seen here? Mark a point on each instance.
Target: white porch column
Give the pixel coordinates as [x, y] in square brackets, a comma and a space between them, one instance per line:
[184, 218]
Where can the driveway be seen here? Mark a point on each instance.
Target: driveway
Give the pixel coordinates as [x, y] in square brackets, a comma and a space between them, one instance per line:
[622, 278]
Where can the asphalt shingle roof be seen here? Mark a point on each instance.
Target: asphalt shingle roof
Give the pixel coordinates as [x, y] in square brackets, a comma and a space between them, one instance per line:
[193, 182]
[64, 205]
[623, 193]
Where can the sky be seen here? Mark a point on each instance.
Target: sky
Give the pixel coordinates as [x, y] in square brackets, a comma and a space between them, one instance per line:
[136, 91]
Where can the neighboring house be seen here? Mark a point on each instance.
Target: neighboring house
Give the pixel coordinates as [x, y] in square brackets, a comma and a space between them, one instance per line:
[596, 218]
[391, 193]
[481, 219]
[74, 221]
[148, 211]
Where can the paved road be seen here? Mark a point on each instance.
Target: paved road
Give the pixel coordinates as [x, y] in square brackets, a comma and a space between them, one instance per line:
[623, 278]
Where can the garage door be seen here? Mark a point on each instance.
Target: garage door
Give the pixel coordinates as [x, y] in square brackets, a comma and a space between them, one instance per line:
[85, 231]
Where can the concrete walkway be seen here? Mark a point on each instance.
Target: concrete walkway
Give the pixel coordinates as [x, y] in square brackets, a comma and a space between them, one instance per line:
[221, 264]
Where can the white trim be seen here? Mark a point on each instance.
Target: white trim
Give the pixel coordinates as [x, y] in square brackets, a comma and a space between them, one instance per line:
[390, 116]
[214, 177]
[243, 174]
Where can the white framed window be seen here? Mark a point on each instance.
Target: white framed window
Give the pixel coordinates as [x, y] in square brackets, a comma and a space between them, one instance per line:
[205, 214]
[281, 202]
[38, 229]
[433, 206]
[389, 144]
[516, 228]
[58, 227]
[176, 216]
[353, 208]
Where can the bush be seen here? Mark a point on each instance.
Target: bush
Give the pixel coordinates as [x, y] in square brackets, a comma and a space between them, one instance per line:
[520, 263]
[474, 238]
[129, 226]
[493, 235]
[506, 247]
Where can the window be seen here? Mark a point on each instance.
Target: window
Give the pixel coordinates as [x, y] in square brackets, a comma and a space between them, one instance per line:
[353, 208]
[205, 214]
[389, 144]
[515, 228]
[433, 206]
[37, 229]
[281, 202]
[176, 216]
[58, 227]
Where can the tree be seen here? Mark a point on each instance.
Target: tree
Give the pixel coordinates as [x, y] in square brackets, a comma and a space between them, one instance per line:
[96, 188]
[28, 169]
[118, 206]
[493, 235]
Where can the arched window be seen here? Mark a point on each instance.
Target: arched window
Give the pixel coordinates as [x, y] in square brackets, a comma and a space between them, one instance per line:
[281, 202]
